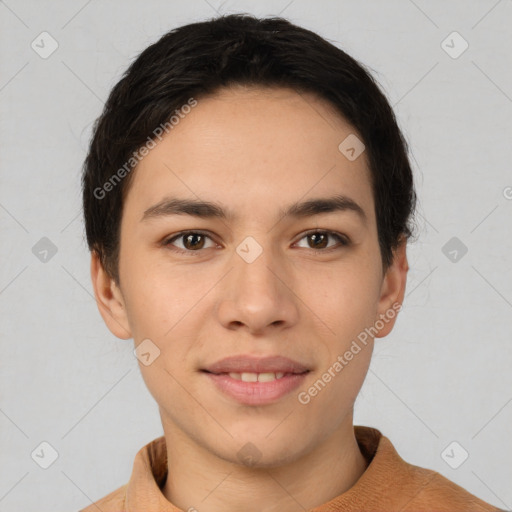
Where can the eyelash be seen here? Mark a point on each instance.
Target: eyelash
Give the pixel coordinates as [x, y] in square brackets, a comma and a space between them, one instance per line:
[342, 239]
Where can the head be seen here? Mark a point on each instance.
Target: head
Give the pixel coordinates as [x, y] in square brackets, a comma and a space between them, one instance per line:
[299, 243]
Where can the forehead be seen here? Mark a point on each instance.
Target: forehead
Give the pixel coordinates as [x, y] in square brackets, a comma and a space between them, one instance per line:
[253, 148]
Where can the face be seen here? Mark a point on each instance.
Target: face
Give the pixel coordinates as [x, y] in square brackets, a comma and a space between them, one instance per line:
[253, 276]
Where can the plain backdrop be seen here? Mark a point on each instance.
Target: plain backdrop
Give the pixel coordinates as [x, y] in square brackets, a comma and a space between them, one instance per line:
[443, 374]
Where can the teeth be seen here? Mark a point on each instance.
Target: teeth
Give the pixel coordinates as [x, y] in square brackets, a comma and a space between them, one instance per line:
[266, 377]
[256, 377]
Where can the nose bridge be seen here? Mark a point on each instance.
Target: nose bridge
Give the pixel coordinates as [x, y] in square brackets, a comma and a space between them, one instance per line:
[255, 267]
[257, 296]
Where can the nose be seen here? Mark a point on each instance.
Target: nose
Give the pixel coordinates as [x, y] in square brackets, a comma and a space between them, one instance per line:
[258, 296]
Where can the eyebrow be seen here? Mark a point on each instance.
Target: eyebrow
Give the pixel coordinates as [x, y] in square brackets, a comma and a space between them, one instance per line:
[206, 209]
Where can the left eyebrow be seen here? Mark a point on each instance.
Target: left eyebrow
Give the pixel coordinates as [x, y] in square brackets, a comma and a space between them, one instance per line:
[206, 209]
[339, 203]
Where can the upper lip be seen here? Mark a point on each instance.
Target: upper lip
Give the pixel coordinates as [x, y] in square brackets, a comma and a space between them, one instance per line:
[251, 364]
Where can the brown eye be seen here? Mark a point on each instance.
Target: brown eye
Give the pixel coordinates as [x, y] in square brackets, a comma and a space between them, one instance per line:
[194, 241]
[191, 241]
[318, 240]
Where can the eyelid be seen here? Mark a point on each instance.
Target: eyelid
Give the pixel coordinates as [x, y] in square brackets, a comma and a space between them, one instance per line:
[167, 242]
[343, 240]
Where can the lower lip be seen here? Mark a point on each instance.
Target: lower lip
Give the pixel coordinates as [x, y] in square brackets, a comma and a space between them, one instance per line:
[257, 393]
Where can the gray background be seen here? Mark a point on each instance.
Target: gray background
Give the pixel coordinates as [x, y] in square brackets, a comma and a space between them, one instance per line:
[443, 375]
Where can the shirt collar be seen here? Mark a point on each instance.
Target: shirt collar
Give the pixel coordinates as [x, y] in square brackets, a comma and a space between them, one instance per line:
[385, 469]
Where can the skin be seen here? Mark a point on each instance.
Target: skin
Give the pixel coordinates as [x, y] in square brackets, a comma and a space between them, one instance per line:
[254, 151]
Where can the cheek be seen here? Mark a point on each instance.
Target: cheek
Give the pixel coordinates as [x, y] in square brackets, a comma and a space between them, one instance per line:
[348, 382]
[345, 299]
[152, 297]
[153, 304]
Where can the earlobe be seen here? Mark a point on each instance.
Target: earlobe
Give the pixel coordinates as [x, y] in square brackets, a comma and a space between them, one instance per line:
[393, 290]
[109, 300]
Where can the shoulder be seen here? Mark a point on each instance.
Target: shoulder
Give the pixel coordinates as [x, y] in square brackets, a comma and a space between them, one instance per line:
[391, 483]
[113, 502]
[436, 493]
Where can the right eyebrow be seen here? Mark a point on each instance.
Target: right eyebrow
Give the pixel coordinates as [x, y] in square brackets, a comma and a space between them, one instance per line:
[176, 206]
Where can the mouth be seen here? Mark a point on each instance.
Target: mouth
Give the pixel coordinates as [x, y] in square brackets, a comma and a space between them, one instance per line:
[247, 366]
[257, 377]
[253, 380]
[255, 388]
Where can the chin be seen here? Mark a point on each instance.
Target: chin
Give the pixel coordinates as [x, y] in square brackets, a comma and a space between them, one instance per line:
[260, 451]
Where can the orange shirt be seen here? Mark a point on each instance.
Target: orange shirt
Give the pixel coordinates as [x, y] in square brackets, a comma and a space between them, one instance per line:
[388, 484]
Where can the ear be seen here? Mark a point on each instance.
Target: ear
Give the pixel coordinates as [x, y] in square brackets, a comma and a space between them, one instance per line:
[393, 290]
[109, 300]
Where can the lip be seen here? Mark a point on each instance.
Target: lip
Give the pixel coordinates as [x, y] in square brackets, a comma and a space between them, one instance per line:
[257, 393]
[252, 364]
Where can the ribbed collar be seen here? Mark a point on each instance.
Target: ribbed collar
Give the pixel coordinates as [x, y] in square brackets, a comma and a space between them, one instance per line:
[375, 489]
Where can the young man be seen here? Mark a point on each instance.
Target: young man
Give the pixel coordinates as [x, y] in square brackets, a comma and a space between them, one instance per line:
[247, 199]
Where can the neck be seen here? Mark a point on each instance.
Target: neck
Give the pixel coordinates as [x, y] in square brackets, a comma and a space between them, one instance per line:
[199, 480]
